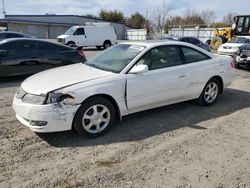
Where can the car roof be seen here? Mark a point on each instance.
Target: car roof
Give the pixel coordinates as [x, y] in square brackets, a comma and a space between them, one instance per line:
[32, 39]
[179, 37]
[152, 43]
[156, 43]
[13, 32]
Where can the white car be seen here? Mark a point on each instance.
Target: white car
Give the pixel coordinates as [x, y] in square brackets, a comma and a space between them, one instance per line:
[96, 34]
[232, 46]
[124, 79]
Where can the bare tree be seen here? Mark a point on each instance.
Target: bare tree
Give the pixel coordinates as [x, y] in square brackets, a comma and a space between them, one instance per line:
[160, 15]
[192, 17]
[208, 16]
[229, 19]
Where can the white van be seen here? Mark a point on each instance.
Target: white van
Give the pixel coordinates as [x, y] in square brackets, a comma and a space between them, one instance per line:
[92, 34]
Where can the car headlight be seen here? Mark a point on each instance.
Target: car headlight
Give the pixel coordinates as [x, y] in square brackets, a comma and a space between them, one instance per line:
[34, 99]
[66, 99]
[236, 50]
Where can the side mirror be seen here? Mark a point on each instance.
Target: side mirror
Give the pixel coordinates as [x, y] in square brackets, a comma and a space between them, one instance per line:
[139, 69]
[3, 53]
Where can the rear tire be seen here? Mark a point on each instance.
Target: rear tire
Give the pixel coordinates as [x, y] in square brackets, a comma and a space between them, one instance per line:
[95, 117]
[210, 93]
[106, 44]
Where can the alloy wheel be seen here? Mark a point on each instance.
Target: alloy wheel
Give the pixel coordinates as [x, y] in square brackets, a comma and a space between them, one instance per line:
[96, 118]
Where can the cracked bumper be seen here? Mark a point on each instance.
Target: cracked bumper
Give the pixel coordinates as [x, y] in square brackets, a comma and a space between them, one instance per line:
[57, 118]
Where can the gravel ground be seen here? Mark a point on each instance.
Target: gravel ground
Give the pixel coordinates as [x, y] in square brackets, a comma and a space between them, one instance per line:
[182, 145]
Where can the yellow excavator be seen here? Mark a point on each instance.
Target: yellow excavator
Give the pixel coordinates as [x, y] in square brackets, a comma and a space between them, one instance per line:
[240, 27]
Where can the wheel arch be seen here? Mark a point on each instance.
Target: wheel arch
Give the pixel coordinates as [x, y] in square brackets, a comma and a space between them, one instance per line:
[110, 99]
[70, 42]
[107, 40]
[219, 78]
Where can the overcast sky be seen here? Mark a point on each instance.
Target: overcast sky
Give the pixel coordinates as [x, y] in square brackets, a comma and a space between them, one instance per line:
[83, 7]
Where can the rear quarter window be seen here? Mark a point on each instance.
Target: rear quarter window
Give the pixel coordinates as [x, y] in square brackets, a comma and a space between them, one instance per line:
[191, 55]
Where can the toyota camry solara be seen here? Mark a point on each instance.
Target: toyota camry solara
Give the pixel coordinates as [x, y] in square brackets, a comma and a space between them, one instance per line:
[127, 78]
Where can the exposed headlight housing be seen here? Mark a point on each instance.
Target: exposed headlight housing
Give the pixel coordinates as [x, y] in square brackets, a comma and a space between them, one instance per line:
[34, 99]
[237, 50]
[60, 98]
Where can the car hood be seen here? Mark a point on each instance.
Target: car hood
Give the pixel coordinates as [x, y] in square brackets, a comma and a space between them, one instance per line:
[53, 79]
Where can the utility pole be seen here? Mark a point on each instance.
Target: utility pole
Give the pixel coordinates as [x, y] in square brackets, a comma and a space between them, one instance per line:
[4, 13]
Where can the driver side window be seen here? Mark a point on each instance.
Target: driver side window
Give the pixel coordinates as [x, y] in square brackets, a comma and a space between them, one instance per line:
[161, 57]
[79, 31]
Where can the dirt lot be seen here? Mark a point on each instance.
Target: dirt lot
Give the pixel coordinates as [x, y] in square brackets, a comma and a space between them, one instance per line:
[183, 145]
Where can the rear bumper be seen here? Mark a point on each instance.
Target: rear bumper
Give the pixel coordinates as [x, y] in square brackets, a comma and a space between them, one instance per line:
[229, 77]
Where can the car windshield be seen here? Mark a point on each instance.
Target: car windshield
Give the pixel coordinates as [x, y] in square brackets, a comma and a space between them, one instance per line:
[116, 58]
[70, 31]
[239, 40]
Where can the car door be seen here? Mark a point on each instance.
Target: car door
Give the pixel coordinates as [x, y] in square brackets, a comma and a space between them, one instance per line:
[164, 83]
[198, 66]
[21, 57]
[80, 37]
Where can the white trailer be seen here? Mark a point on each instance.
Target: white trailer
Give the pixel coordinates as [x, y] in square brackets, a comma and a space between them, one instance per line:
[204, 34]
[136, 34]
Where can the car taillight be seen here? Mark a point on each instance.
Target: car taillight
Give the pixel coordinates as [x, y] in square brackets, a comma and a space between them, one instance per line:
[80, 52]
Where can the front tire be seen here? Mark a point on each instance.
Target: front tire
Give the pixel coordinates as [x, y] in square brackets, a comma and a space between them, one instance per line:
[71, 44]
[210, 93]
[95, 117]
[216, 42]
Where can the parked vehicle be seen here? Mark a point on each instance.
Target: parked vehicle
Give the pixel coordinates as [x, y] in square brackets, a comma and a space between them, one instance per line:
[127, 78]
[191, 40]
[29, 56]
[231, 47]
[11, 34]
[242, 56]
[96, 34]
[240, 28]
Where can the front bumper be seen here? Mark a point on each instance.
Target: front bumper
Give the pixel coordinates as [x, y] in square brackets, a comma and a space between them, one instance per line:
[57, 118]
[244, 62]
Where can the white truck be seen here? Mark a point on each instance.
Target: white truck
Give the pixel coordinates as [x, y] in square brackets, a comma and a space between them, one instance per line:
[92, 34]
